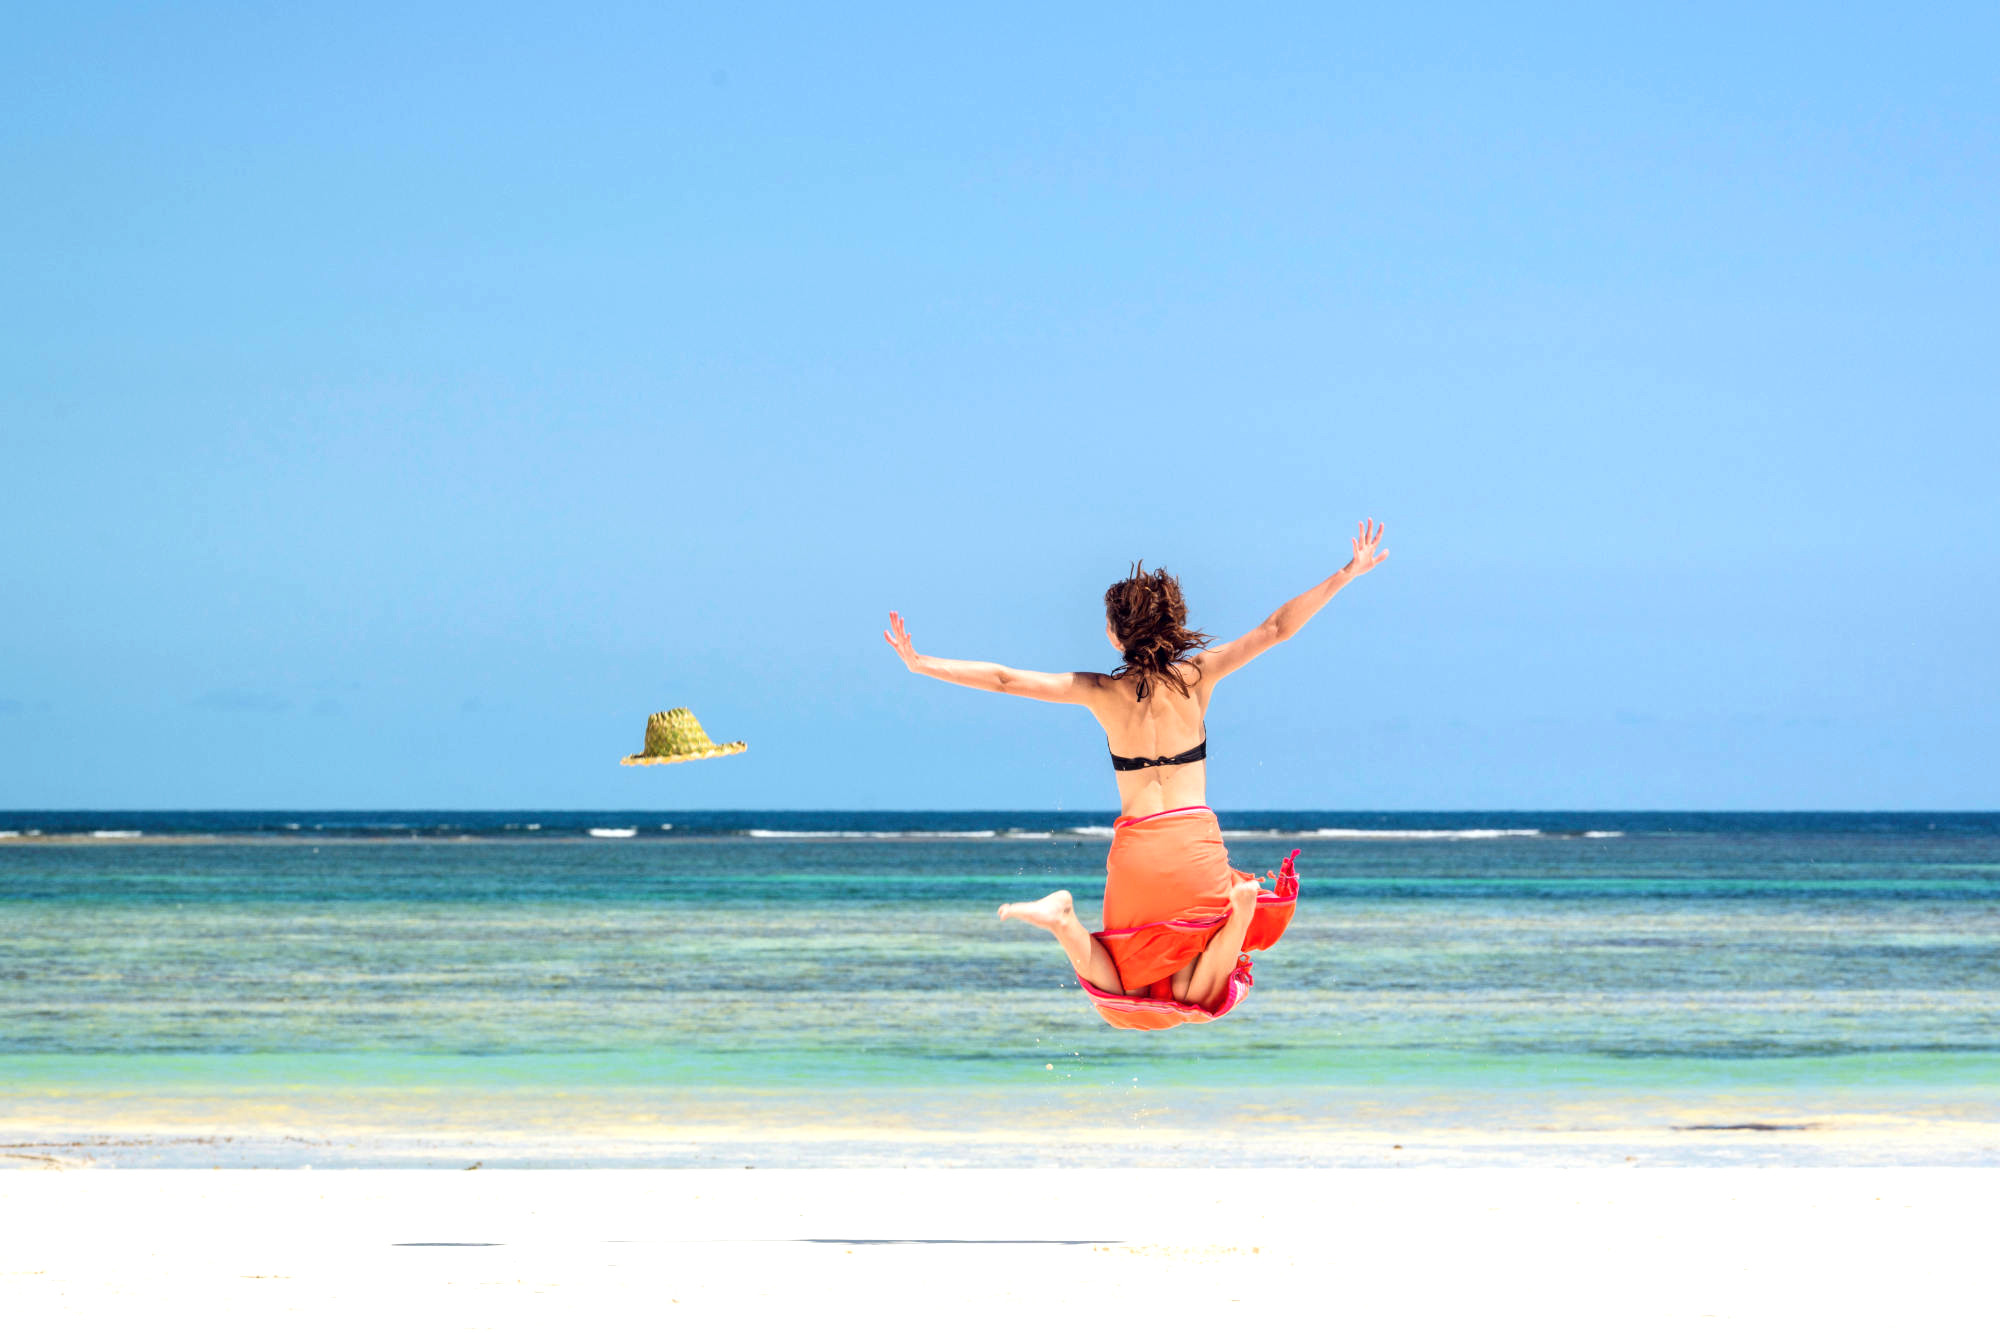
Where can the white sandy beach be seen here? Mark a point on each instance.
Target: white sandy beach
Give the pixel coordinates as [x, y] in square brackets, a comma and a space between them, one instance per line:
[1599, 1248]
[286, 1127]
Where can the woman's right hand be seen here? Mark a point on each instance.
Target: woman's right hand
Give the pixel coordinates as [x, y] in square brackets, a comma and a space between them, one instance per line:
[1366, 556]
[898, 637]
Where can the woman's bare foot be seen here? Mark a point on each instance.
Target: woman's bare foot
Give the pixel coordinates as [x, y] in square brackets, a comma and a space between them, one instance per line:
[1057, 915]
[1050, 913]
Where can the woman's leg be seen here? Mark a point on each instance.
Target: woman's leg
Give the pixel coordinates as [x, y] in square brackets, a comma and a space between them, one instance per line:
[1057, 915]
[1218, 960]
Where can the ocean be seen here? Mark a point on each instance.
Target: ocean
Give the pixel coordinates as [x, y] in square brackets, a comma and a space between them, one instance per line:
[681, 986]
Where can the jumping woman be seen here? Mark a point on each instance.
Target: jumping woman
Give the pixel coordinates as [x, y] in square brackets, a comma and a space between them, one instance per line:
[1178, 921]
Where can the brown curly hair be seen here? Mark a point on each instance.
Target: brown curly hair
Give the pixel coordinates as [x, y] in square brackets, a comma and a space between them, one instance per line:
[1147, 614]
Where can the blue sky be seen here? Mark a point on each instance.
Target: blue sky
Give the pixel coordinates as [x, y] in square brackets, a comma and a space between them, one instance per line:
[397, 407]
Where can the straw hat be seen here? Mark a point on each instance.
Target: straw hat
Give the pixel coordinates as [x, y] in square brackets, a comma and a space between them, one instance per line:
[675, 736]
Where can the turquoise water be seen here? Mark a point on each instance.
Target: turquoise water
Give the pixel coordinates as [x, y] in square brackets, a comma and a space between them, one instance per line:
[1701, 953]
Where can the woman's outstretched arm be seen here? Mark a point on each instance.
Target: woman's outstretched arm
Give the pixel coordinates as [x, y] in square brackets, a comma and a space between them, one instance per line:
[1290, 618]
[1056, 687]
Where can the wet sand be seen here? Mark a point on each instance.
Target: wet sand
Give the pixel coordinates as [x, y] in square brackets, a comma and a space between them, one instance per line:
[286, 1126]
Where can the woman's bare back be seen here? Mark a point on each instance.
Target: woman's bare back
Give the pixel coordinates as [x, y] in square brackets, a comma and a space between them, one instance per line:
[1166, 722]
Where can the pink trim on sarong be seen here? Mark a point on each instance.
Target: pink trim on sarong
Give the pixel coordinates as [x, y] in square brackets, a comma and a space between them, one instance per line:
[1126, 821]
[1146, 1014]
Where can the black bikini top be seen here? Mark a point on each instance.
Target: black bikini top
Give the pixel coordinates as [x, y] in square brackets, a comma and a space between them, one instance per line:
[1192, 756]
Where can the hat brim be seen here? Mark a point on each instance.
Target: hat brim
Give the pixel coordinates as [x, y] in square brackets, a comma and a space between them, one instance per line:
[712, 752]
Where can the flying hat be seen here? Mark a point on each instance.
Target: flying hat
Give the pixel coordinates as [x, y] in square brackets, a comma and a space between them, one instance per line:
[674, 736]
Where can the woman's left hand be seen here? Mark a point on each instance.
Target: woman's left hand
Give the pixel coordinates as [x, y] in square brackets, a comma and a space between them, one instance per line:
[898, 637]
[1367, 554]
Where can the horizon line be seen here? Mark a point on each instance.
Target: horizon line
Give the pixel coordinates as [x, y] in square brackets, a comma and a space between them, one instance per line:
[981, 810]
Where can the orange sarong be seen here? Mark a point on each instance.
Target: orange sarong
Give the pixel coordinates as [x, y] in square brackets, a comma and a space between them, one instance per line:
[1166, 893]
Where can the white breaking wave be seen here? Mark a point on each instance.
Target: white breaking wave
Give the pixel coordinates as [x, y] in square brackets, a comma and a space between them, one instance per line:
[666, 826]
[116, 833]
[871, 833]
[1424, 833]
[1039, 837]
[614, 833]
[1092, 830]
[1603, 833]
[9, 833]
